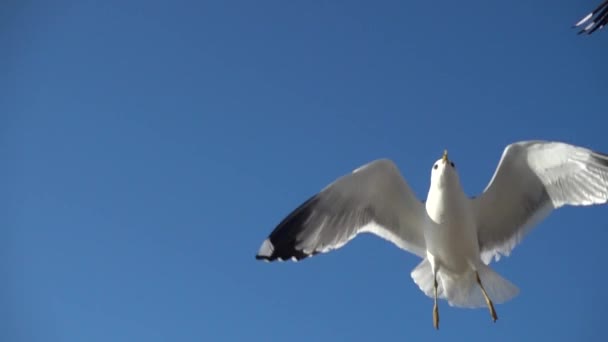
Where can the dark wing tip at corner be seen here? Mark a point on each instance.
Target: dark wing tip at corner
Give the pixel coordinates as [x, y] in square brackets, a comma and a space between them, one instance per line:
[598, 19]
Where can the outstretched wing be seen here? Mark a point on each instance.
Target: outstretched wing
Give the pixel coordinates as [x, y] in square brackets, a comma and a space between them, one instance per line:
[374, 198]
[532, 179]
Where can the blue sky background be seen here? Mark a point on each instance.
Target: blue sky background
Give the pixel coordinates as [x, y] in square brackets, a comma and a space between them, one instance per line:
[148, 148]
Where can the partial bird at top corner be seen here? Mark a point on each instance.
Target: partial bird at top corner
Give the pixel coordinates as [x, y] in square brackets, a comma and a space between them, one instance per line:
[596, 20]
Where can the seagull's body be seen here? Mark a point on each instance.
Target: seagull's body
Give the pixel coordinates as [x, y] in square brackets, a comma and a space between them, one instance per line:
[455, 235]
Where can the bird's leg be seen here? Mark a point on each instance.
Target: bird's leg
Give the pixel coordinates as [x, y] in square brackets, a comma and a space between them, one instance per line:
[488, 300]
[435, 307]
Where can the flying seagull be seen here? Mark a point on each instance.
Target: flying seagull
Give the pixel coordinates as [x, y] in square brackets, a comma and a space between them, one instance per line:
[598, 17]
[456, 236]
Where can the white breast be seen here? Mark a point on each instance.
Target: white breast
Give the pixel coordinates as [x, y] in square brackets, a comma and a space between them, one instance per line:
[451, 235]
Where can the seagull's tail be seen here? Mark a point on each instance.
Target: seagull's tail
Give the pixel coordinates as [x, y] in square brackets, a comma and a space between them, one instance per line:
[463, 290]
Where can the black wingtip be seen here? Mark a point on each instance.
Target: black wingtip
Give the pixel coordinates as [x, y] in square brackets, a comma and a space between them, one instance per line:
[295, 257]
[282, 242]
[598, 18]
[285, 253]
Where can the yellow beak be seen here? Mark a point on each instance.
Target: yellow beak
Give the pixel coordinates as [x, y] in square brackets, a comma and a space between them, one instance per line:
[445, 156]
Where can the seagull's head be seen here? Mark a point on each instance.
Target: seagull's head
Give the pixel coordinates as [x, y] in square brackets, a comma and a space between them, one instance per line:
[444, 171]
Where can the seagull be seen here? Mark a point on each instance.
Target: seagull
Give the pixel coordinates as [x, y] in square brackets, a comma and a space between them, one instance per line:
[599, 16]
[456, 236]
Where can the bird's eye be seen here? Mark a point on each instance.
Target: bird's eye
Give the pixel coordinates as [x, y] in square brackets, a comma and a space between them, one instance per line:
[435, 166]
[452, 163]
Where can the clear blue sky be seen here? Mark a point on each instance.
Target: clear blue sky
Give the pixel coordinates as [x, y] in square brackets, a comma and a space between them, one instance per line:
[148, 148]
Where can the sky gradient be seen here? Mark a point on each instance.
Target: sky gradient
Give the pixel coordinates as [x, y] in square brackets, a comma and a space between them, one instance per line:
[148, 148]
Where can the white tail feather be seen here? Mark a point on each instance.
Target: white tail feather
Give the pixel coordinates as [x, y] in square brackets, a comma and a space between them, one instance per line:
[462, 290]
[423, 277]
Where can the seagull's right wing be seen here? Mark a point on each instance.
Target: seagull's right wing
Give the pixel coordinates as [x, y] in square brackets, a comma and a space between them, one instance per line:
[374, 199]
[598, 17]
[532, 179]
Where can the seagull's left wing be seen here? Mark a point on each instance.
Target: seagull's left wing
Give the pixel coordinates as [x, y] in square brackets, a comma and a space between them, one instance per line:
[374, 199]
[532, 179]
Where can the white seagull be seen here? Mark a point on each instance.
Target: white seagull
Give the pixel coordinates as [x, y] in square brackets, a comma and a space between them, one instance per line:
[456, 236]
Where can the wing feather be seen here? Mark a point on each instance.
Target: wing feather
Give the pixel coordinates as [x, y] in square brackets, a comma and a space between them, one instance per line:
[532, 179]
[374, 199]
[598, 17]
